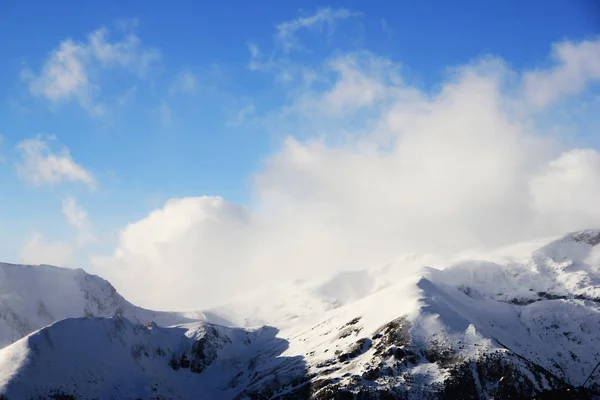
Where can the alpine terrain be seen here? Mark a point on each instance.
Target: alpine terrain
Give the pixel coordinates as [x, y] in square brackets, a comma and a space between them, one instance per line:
[520, 322]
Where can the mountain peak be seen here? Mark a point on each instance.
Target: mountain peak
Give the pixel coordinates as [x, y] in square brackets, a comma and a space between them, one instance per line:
[587, 236]
[32, 297]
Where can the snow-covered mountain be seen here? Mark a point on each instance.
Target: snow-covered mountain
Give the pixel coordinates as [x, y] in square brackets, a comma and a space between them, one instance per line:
[503, 326]
[32, 297]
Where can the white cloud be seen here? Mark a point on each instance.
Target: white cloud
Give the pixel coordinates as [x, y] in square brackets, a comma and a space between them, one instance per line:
[78, 219]
[76, 215]
[256, 56]
[185, 82]
[39, 250]
[70, 73]
[187, 242]
[286, 38]
[566, 191]
[254, 50]
[357, 81]
[324, 18]
[282, 66]
[420, 171]
[128, 53]
[39, 165]
[575, 65]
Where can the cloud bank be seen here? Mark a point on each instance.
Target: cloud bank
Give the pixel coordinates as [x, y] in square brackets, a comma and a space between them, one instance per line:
[374, 168]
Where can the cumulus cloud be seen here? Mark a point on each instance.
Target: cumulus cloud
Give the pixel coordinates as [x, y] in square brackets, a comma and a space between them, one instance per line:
[188, 242]
[567, 189]
[70, 72]
[464, 166]
[40, 166]
[576, 64]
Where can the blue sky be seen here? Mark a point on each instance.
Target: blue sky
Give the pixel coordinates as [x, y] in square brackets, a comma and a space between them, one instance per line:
[187, 99]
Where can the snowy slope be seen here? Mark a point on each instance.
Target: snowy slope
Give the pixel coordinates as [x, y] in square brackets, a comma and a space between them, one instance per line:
[506, 325]
[114, 358]
[32, 297]
[544, 310]
[301, 302]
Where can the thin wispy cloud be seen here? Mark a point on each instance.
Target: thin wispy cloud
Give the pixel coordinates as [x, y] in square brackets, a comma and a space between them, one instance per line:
[77, 217]
[325, 19]
[242, 115]
[17, 107]
[386, 28]
[39, 249]
[287, 38]
[256, 56]
[70, 74]
[185, 82]
[40, 166]
[127, 96]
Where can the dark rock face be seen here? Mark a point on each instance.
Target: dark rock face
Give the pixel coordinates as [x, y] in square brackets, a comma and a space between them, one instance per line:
[387, 374]
[497, 375]
[591, 237]
[201, 353]
[357, 349]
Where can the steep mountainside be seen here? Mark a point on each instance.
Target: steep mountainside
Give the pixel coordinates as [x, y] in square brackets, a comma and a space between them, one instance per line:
[507, 327]
[113, 358]
[32, 297]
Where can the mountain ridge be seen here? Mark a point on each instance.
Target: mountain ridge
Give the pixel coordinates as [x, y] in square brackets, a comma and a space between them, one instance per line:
[32, 297]
[470, 329]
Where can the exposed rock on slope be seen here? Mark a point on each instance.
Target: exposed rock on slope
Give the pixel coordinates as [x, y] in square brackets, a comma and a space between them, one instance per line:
[115, 359]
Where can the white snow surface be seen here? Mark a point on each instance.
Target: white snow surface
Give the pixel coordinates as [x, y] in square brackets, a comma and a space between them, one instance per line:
[541, 305]
[32, 297]
[116, 359]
